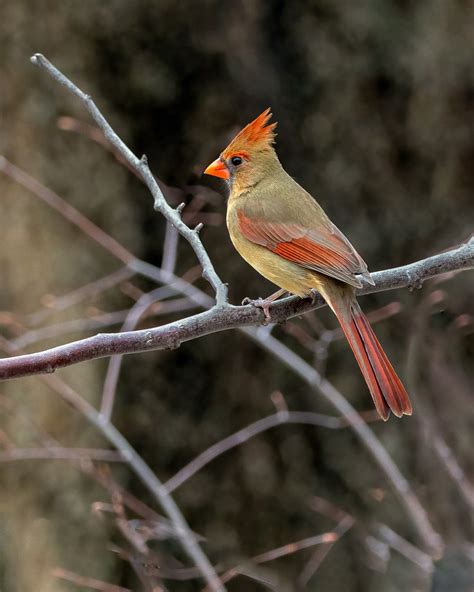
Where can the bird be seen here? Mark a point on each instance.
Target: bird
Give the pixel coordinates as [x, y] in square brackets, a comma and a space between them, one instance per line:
[285, 235]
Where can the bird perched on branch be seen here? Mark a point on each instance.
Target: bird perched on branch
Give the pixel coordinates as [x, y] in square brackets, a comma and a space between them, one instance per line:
[281, 231]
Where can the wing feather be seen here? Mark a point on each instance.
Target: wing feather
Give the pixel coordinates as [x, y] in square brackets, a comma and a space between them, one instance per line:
[324, 249]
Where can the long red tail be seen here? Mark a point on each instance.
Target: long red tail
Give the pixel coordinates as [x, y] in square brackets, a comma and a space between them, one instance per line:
[386, 388]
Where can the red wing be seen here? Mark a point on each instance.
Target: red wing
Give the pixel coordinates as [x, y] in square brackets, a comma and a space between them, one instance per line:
[325, 250]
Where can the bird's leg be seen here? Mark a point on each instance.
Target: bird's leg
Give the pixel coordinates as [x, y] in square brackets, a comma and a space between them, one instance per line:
[313, 294]
[264, 303]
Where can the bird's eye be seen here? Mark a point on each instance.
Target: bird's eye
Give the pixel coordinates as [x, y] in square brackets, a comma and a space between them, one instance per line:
[236, 160]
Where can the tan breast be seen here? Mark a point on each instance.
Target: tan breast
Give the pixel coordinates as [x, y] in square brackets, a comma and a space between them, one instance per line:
[283, 273]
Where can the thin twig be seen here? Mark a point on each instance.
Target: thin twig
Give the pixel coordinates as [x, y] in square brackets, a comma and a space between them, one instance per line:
[66, 210]
[98, 321]
[170, 248]
[321, 553]
[140, 165]
[87, 582]
[402, 546]
[79, 295]
[130, 322]
[59, 453]
[133, 263]
[106, 319]
[453, 468]
[204, 195]
[248, 432]
[289, 549]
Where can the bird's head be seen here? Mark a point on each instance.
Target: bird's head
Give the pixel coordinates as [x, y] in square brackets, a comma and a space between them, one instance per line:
[249, 156]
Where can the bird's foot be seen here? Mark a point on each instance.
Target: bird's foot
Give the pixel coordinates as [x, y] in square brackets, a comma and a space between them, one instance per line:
[263, 303]
[415, 285]
[314, 295]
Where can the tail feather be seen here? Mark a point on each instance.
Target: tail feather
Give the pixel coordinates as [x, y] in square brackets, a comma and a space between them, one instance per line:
[386, 388]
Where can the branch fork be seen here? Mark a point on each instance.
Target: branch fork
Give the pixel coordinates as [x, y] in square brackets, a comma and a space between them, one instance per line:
[140, 166]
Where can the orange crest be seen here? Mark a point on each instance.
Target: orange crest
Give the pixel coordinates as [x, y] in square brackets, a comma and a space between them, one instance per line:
[257, 135]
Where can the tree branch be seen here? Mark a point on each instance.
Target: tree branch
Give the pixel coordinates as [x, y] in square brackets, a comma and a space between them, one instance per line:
[280, 418]
[141, 168]
[60, 453]
[172, 335]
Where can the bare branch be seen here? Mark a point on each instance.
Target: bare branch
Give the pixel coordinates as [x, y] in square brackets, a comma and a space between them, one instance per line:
[66, 210]
[130, 322]
[79, 295]
[85, 582]
[321, 553]
[59, 453]
[453, 468]
[216, 319]
[321, 539]
[170, 248]
[106, 319]
[245, 434]
[140, 166]
[201, 195]
[290, 548]
[409, 551]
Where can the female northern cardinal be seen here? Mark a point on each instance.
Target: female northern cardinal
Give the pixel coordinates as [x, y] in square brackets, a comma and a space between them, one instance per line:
[285, 235]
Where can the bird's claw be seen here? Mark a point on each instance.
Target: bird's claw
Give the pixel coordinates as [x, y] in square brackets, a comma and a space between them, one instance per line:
[262, 303]
[415, 285]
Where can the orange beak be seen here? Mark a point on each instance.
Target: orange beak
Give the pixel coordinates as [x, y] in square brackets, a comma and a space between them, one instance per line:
[218, 169]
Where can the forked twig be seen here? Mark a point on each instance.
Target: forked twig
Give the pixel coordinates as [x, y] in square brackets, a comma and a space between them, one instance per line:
[140, 166]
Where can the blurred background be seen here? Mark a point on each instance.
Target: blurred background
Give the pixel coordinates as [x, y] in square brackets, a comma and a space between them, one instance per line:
[374, 102]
